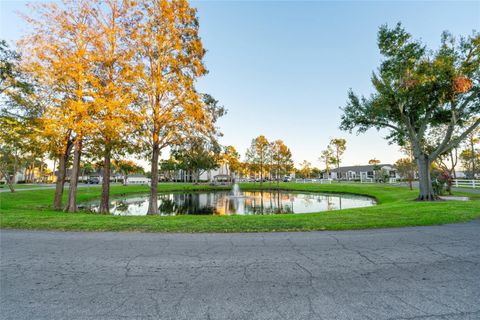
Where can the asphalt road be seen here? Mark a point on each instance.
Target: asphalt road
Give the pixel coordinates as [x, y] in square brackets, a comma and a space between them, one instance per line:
[411, 273]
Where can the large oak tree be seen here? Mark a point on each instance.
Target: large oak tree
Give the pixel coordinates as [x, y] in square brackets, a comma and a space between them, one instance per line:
[416, 91]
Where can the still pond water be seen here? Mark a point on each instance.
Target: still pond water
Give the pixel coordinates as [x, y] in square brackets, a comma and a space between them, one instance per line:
[225, 203]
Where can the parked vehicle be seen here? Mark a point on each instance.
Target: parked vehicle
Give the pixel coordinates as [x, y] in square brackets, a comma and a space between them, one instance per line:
[93, 181]
[287, 179]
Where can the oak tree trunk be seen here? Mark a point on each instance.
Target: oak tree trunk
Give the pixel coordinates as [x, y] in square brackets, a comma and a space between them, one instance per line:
[153, 203]
[105, 201]
[425, 180]
[72, 192]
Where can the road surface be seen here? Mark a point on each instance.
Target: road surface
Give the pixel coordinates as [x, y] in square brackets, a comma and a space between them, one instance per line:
[410, 273]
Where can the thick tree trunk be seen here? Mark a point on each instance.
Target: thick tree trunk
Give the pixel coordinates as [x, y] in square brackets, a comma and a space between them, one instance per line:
[62, 171]
[424, 180]
[105, 201]
[72, 192]
[153, 203]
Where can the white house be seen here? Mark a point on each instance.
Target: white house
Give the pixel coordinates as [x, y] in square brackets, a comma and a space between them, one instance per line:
[460, 174]
[362, 173]
[208, 175]
[137, 179]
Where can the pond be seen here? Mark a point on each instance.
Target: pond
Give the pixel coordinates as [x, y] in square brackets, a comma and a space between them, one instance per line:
[225, 203]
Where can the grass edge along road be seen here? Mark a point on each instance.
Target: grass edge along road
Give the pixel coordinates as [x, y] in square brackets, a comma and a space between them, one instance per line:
[395, 208]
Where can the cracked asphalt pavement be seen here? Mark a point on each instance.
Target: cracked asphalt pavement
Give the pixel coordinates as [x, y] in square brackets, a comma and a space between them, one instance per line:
[409, 273]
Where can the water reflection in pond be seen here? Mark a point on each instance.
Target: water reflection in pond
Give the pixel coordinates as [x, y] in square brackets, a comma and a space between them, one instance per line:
[224, 203]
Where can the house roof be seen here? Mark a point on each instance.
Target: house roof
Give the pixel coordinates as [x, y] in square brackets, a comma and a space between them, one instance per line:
[360, 168]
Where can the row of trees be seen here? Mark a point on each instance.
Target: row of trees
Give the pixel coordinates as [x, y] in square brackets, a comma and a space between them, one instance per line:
[118, 167]
[197, 157]
[263, 159]
[106, 78]
[268, 159]
[332, 155]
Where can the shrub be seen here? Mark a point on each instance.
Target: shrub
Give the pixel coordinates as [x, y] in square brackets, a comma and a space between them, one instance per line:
[441, 182]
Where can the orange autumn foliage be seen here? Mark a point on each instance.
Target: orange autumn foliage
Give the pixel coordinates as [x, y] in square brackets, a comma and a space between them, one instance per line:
[462, 84]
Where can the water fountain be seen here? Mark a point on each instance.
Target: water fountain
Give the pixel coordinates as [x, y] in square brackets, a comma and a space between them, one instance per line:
[236, 197]
[236, 190]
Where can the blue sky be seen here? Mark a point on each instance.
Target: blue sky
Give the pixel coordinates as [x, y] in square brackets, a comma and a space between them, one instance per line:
[283, 68]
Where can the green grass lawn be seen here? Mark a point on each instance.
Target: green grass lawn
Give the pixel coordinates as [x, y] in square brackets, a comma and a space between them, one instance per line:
[396, 208]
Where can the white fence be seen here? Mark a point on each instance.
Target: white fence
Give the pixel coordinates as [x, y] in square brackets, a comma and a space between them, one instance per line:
[466, 183]
[321, 181]
[370, 180]
[367, 180]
